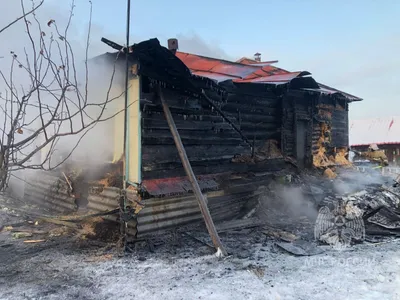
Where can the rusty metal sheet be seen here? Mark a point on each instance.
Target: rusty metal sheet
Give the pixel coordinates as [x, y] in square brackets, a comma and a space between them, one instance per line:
[107, 199]
[273, 78]
[264, 71]
[178, 185]
[213, 65]
[196, 62]
[160, 214]
[214, 76]
[222, 70]
[49, 191]
[234, 69]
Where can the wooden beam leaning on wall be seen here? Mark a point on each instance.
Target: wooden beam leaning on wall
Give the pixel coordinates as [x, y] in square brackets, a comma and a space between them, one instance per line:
[192, 178]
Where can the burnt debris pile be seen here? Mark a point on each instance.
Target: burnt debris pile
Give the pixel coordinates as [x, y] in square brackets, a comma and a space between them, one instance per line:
[295, 210]
[366, 206]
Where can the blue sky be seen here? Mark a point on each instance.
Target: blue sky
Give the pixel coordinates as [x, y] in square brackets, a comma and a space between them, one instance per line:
[352, 45]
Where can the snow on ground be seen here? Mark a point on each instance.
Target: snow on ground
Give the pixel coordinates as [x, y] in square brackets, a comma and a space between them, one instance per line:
[61, 271]
[181, 267]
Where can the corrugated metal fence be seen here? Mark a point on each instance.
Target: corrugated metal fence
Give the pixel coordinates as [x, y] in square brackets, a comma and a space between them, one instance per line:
[107, 199]
[158, 214]
[165, 213]
[50, 192]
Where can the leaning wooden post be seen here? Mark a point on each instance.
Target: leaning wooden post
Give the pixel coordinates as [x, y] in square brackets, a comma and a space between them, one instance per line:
[192, 178]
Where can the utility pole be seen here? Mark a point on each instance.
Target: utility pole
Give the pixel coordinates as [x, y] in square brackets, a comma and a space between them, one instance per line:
[122, 200]
[128, 21]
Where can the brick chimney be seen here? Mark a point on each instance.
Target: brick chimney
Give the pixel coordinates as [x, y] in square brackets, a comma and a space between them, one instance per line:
[173, 45]
[257, 57]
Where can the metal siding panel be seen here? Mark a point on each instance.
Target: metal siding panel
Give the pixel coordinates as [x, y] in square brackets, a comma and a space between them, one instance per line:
[108, 200]
[161, 214]
[49, 191]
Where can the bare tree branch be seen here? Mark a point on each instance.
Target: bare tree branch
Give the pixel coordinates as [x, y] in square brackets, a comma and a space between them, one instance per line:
[22, 17]
[52, 106]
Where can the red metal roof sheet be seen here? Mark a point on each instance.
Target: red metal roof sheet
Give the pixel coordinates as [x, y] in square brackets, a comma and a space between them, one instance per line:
[213, 65]
[267, 71]
[214, 76]
[246, 71]
[178, 185]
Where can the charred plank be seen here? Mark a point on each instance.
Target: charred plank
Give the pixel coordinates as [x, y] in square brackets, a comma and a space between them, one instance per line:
[156, 140]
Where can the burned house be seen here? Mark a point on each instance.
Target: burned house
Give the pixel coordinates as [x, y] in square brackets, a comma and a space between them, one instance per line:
[239, 122]
[384, 132]
[227, 109]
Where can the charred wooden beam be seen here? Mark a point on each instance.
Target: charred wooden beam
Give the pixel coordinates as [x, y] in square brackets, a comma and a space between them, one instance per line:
[214, 135]
[173, 165]
[157, 140]
[178, 117]
[165, 153]
[223, 166]
[112, 44]
[260, 118]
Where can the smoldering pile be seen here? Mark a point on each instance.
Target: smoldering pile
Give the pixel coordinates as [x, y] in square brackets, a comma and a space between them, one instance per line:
[370, 202]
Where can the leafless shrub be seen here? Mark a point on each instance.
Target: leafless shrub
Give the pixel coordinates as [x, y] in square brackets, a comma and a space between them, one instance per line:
[44, 98]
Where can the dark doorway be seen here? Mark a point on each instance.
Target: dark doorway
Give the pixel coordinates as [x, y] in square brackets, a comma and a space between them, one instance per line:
[301, 137]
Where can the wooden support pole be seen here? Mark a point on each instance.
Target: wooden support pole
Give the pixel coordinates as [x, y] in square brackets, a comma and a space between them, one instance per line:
[192, 178]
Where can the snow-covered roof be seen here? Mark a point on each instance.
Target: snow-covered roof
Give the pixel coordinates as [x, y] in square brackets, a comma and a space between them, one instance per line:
[378, 131]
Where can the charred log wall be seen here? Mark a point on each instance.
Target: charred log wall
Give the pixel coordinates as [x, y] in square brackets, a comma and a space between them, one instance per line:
[340, 125]
[288, 138]
[334, 112]
[331, 130]
[209, 140]
[297, 107]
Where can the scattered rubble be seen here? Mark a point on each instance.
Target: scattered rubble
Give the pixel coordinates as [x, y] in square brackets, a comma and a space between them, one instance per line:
[286, 212]
[279, 234]
[34, 227]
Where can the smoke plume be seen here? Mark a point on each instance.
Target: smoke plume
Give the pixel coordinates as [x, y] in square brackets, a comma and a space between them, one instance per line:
[96, 145]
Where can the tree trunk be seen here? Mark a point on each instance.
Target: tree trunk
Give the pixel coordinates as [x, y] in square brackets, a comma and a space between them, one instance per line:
[3, 171]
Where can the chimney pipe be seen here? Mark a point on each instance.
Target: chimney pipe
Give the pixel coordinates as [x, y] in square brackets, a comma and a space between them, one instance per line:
[257, 57]
[173, 45]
